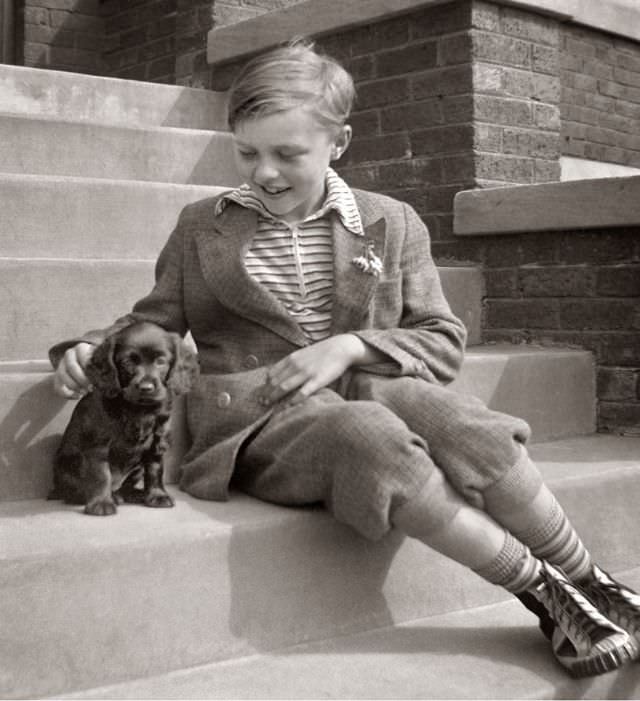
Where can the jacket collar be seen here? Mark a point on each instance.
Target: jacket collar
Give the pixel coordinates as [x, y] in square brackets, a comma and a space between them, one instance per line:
[222, 247]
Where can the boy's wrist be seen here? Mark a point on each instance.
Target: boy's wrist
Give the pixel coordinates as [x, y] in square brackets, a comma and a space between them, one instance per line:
[361, 353]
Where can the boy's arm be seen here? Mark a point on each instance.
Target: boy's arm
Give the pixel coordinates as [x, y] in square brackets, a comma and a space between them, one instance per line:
[163, 305]
[429, 341]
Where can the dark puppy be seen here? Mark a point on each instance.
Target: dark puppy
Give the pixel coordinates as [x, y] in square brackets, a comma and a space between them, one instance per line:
[119, 432]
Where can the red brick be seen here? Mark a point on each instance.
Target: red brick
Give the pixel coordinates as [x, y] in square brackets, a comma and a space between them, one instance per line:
[441, 19]
[619, 281]
[513, 169]
[457, 109]
[546, 116]
[598, 314]
[454, 80]
[617, 383]
[501, 283]
[497, 110]
[530, 143]
[527, 25]
[411, 116]
[381, 35]
[546, 171]
[487, 138]
[382, 93]
[412, 173]
[495, 48]
[545, 59]
[557, 281]
[409, 59]
[597, 247]
[459, 169]
[378, 148]
[485, 15]
[455, 49]
[444, 139]
[619, 417]
[521, 314]
[365, 123]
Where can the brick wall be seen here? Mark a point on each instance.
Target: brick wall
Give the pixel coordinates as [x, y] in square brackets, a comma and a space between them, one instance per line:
[60, 34]
[449, 97]
[600, 104]
[140, 39]
[572, 288]
[232, 11]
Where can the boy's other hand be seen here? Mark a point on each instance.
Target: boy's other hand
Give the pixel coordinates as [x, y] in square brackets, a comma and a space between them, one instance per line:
[69, 379]
[313, 367]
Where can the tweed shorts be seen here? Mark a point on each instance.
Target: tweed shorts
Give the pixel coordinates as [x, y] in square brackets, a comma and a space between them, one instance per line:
[367, 451]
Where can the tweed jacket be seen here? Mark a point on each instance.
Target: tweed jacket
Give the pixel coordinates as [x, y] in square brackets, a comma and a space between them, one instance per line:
[240, 328]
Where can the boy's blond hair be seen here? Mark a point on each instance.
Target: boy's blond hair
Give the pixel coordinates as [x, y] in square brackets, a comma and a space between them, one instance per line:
[294, 75]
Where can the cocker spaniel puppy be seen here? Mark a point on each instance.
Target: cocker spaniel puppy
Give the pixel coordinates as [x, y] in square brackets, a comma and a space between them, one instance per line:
[118, 433]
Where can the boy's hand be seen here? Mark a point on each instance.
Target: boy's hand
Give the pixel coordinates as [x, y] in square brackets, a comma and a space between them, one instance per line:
[69, 379]
[311, 368]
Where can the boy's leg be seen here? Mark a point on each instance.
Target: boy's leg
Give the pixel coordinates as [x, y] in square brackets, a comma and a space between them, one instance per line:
[482, 453]
[372, 471]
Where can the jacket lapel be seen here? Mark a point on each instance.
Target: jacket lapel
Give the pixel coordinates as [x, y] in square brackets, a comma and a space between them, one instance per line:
[354, 288]
[222, 247]
[221, 252]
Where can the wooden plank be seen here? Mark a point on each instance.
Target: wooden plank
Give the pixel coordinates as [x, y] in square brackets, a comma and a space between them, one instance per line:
[577, 204]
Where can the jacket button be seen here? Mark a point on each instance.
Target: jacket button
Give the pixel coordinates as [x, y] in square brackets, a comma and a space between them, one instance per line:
[223, 400]
[251, 361]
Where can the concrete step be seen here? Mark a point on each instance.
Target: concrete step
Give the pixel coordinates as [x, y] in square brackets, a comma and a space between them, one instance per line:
[37, 295]
[66, 217]
[490, 652]
[552, 389]
[78, 97]
[48, 146]
[91, 601]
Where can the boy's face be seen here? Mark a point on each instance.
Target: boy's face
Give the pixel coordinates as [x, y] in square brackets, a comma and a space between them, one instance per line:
[284, 158]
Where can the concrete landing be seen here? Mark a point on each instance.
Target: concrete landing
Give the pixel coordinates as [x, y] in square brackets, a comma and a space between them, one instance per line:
[493, 652]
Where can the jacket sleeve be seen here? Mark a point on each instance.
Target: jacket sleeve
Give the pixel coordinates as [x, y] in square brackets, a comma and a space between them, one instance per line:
[162, 306]
[429, 341]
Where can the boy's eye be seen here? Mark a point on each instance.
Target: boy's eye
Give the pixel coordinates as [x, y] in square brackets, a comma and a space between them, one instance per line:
[246, 154]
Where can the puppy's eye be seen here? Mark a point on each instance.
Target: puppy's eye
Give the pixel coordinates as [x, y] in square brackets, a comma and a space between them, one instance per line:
[134, 358]
[161, 360]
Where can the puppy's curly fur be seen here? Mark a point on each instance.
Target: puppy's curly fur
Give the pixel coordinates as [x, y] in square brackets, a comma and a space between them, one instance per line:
[119, 432]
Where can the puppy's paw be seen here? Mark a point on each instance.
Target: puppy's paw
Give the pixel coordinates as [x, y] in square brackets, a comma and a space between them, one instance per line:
[158, 499]
[104, 507]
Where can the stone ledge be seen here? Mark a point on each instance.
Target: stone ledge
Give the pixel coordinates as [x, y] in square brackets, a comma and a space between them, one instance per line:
[310, 18]
[576, 204]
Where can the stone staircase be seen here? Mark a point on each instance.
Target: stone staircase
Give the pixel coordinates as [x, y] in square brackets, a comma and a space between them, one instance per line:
[238, 599]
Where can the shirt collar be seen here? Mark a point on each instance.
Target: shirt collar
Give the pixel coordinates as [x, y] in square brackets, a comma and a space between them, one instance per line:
[340, 199]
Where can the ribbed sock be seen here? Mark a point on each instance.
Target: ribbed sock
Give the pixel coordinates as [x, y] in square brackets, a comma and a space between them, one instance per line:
[556, 540]
[514, 567]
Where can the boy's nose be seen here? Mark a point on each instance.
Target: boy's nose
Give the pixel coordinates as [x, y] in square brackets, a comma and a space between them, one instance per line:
[264, 172]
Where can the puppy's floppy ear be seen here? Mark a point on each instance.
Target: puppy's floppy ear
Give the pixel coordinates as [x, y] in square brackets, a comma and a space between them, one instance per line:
[184, 369]
[101, 370]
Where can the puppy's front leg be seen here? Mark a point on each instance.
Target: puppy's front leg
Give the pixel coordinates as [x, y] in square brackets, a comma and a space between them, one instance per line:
[99, 497]
[154, 492]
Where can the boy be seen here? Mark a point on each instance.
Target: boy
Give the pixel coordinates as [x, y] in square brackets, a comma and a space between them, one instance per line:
[325, 341]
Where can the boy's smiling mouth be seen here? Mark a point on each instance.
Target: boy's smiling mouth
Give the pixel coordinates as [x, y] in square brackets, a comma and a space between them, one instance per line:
[274, 192]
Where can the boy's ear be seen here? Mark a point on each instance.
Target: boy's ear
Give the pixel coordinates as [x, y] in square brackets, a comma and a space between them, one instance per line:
[341, 142]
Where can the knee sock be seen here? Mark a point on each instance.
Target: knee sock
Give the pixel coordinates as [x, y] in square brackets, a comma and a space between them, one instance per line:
[514, 568]
[555, 539]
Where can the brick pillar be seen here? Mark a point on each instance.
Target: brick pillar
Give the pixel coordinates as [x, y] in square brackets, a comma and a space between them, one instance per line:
[60, 34]
[516, 83]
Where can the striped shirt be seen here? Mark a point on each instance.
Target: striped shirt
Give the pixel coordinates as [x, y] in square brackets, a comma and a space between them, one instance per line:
[295, 261]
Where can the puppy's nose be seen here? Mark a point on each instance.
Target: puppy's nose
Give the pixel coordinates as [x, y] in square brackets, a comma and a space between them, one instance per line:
[147, 387]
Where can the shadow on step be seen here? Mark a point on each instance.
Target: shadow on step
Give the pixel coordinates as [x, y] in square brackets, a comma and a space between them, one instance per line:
[29, 434]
